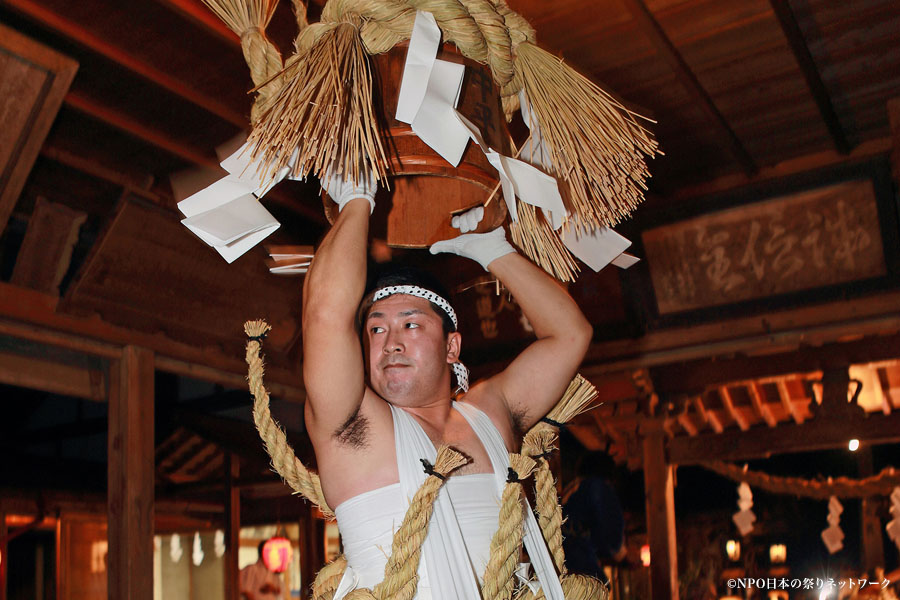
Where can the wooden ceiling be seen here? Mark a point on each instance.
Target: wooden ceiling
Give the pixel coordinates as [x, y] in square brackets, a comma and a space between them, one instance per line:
[743, 93]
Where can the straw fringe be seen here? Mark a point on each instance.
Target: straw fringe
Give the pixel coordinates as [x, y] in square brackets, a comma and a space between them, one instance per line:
[596, 145]
[537, 239]
[323, 114]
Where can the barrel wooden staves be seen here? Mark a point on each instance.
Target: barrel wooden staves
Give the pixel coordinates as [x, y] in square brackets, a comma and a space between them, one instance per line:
[425, 189]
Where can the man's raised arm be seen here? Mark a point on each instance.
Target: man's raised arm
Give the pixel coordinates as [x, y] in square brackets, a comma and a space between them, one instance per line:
[333, 369]
[535, 381]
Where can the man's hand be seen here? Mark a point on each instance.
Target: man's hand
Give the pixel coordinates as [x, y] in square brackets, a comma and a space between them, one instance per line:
[481, 247]
[343, 191]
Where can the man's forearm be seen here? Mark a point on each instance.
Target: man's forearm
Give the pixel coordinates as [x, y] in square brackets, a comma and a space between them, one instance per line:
[337, 275]
[546, 305]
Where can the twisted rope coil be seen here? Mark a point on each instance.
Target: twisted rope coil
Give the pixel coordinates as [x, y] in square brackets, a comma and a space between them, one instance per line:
[843, 487]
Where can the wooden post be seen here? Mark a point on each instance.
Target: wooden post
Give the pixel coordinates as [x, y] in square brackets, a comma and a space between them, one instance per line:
[4, 554]
[660, 497]
[869, 521]
[131, 476]
[312, 548]
[232, 526]
[893, 109]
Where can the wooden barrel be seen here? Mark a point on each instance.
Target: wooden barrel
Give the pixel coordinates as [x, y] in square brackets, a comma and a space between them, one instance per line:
[425, 189]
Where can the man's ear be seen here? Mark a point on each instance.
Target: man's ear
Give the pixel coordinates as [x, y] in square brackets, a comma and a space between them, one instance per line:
[454, 346]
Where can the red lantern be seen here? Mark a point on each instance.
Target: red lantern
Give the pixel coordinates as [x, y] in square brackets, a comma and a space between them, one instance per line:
[277, 553]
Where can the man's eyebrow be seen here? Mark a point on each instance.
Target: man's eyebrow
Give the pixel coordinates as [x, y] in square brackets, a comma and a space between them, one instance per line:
[405, 313]
[374, 315]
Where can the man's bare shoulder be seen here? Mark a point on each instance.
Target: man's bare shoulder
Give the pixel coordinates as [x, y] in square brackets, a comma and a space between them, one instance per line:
[485, 396]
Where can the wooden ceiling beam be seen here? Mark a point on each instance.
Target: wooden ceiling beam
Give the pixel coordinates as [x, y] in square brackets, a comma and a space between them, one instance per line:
[202, 16]
[48, 376]
[651, 28]
[94, 169]
[758, 398]
[709, 415]
[32, 316]
[791, 29]
[814, 435]
[150, 136]
[96, 44]
[786, 168]
[697, 375]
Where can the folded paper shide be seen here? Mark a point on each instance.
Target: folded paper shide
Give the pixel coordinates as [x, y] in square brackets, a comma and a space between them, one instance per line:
[581, 171]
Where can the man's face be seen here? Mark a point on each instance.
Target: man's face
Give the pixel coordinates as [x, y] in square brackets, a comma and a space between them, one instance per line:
[407, 351]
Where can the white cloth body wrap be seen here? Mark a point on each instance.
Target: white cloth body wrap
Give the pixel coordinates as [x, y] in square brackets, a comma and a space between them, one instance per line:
[447, 571]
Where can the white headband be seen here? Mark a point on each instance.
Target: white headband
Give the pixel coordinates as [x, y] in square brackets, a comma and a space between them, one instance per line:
[461, 372]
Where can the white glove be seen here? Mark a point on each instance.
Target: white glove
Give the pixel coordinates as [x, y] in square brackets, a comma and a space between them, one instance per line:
[484, 248]
[468, 220]
[342, 191]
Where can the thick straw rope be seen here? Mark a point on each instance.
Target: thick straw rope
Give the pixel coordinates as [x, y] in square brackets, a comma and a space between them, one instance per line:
[843, 487]
[285, 462]
[499, 581]
[249, 19]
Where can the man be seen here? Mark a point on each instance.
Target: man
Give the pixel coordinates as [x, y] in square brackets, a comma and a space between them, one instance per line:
[367, 403]
[257, 582]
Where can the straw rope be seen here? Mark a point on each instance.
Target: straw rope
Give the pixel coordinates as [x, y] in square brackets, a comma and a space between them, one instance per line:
[499, 580]
[249, 19]
[284, 461]
[843, 487]
[328, 578]
[575, 587]
[538, 444]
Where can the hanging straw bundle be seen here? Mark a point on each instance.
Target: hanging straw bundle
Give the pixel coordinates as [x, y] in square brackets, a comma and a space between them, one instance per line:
[536, 238]
[249, 19]
[595, 143]
[322, 121]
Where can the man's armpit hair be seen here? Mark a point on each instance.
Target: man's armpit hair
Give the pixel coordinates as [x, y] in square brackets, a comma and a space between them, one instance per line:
[519, 418]
[354, 432]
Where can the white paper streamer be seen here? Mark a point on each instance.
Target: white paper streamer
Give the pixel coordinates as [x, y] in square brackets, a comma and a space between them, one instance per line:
[197, 554]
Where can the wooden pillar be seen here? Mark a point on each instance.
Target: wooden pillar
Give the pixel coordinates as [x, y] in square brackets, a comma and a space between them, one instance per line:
[4, 554]
[893, 109]
[232, 526]
[131, 476]
[659, 489]
[869, 522]
[312, 549]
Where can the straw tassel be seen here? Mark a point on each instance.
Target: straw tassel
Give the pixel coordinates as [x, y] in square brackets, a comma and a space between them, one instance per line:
[322, 121]
[596, 144]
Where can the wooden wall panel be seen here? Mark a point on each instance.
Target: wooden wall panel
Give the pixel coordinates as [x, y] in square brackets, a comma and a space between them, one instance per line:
[149, 273]
[33, 81]
[46, 251]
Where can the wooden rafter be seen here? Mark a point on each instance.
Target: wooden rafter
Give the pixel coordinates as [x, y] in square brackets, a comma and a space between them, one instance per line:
[728, 403]
[199, 14]
[686, 422]
[82, 36]
[125, 123]
[651, 28]
[885, 384]
[785, 395]
[708, 415]
[807, 65]
[758, 398]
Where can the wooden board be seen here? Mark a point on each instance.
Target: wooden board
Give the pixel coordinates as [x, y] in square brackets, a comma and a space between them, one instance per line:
[33, 81]
[46, 252]
[816, 238]
[149, 273]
